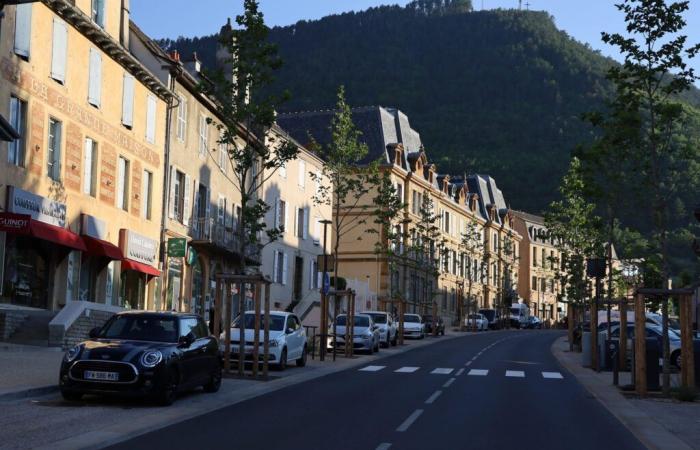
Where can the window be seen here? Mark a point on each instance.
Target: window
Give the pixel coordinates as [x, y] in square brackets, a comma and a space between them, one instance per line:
[59, 50]
[90, 168]
[399, 191]
[128, 101]
[54, 150]
[179, 196]
[147, 194]
[151, 119]
[446, 222]
[95, 78]
[302, 223]
[123, 184]
[314, 274]
[223, 155]
[18, 120]
[203, 135]
[280, 268]
[302, 173]
[281, 214]
[98, 12]
[182, 119]
[534, 256]
[23, 30]
[495, 242]
[534, 283]
[220, 210]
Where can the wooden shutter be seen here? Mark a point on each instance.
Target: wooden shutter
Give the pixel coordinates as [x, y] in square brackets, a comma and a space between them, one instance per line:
[284, 268]
[151, 119]
[285, 214]
[306, 223]
[275, 262]
[87, 168]
[277, 213]
[23, 29]
[59, 50]
[128, 101]
[171, 196]
[95, 80]
[186, 201]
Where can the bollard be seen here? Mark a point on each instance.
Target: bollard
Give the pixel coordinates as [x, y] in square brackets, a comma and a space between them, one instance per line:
[615, 368]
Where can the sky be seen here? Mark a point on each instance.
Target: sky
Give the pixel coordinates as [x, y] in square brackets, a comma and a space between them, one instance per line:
[582, 19]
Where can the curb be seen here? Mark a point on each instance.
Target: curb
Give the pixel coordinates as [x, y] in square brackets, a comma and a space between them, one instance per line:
[106, 437]
[650, 433]
[31, 392]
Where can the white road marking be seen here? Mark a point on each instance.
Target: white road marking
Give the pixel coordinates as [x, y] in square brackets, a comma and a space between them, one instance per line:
[478, 372]
[384, 446]
[469, 363]
[407, 369]
[449, 382]
[409, 421]
[515, 373]
[459, 372]
[433, 397]
[372, 368]
[553, 375]
[442, 371]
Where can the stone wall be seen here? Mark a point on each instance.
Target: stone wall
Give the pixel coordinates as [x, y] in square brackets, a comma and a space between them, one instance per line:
[80, 329]
[9, 322]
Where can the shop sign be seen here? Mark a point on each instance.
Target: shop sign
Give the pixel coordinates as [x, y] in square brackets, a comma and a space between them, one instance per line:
[39, 208]
[137, 247]
[14, 223]
[191, 256]
[93, 227]
[177, 247]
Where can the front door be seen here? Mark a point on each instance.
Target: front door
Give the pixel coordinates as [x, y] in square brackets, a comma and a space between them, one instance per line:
[298, 278]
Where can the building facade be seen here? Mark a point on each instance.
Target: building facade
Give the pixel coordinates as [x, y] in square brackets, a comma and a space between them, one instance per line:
[81, 187]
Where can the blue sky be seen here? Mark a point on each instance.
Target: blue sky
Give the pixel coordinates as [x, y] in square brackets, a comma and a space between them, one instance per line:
[582, 19]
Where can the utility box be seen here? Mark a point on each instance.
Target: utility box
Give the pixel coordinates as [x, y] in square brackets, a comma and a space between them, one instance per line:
[653, 355]
[610, 352]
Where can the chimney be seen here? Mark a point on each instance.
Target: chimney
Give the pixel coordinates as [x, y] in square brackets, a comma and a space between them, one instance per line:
[175, 56]
[124, 28]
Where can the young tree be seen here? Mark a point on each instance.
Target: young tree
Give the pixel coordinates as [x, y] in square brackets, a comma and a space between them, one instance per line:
[472, 245]
[428, 249]
[245, 119]
[648, 85]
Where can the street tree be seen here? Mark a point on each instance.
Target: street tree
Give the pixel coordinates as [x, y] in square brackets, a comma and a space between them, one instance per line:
[472, 246]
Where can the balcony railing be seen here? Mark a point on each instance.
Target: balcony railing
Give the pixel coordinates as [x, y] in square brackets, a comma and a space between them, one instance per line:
[223, 236]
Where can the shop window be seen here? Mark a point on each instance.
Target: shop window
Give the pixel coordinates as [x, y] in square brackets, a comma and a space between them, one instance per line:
[26, 272]
[89, 272]
[18, 120]
[54, 150]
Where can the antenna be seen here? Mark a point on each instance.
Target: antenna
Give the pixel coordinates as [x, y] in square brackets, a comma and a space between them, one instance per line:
[527, 5]
[520, 5]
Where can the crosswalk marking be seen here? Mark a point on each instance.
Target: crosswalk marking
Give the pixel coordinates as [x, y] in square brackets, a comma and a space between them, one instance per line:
[407, 369]
[515, 373]
[478, 372]
[442, 371]
[552, 375]
[372, 368]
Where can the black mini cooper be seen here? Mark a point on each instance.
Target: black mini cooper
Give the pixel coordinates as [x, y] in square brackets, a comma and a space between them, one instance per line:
[154, 354]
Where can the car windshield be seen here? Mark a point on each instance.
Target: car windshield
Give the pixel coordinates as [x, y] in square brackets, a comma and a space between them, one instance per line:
[276, 322]
[378, 318]
[515, 311]
[488, 313]
[359, 321]
[411, 318]
[474, 316]
[141, 328]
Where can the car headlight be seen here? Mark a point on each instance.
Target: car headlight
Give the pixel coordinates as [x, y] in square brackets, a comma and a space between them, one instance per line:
[151, 358]
[274, 343]
[73, 353]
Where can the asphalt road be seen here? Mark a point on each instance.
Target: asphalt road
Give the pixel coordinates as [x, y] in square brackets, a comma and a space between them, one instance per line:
[495, 390]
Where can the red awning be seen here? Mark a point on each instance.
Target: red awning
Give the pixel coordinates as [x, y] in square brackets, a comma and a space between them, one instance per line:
[57, 235]
[130, 264]
[98, 247]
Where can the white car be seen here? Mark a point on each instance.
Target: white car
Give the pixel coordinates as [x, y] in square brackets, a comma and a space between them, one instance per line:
[365, 334]
[388, 333]
[413, 326]
[652, 331]
[287, 339]
[481, 322]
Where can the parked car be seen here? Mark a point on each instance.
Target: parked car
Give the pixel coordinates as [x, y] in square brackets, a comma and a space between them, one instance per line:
[493, 317]
[478, 320]
[533, 323]
[439, 325]
[652, 331]
[413, 326]
[287, 339]
[388, 331]
[365, 333]
[140, 353]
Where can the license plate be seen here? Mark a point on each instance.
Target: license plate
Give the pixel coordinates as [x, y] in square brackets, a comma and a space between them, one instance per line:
[101, 376]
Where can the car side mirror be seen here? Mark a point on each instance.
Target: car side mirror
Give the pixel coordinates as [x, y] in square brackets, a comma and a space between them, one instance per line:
[375, 327]
[186, 341]
[94, 333]
[290, 330]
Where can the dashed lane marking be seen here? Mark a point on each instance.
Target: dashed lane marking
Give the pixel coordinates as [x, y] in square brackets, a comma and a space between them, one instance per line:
[409, 421]
[442, 371]
[449, 382]
[478, 372]
[515, 373]
[467, 364]
[407, 369]
[459, 372]
[384, 446]
[433, 397]
[552, 375]
[372, 368]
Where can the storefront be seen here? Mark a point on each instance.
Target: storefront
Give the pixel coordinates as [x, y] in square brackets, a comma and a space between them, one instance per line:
[96, 280]
[137, 285]
[34, 250]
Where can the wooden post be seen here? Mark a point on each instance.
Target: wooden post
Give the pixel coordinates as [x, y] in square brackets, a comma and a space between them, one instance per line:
[687, 362]
[623, 335]
[241, 326]
[256, 337]
[640, 347]
[594, 330]
[324, 325]
[266, 335]
[402, 310]
[434, 324]
[570, 319]
[351, 309]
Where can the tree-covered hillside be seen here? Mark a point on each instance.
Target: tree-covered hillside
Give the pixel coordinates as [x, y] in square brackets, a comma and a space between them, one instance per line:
[498, 92]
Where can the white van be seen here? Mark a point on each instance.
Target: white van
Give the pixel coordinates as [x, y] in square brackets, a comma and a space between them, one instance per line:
[519, 314]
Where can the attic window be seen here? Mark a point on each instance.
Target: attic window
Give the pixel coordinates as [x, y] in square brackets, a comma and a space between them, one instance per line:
[397, 157]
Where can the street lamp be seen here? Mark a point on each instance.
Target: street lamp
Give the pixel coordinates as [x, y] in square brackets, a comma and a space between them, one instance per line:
[324, 291]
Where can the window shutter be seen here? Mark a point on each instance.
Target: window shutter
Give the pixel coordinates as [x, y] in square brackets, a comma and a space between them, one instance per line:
[286, 214]
[284, 268]
[23, 29]
[319, 280]
[58, 53]
[187, 202]
[95, 81]
[296, 222]
[311, 273]
[151, 119]
[171, 201]
[275, 263]
[208, 215]
[306, 223]
[87, 167]
[317, 229]
[128, 101]
[195, 207]
[277, 213]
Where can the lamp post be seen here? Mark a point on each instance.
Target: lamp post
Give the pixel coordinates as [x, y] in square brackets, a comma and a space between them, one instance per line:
[324, 292]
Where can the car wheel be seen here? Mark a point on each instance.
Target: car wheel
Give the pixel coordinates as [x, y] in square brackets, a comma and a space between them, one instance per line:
[301, 362]
[676, 359]
[169, 393]
[71, 396]
[214, 380]
[283, 360]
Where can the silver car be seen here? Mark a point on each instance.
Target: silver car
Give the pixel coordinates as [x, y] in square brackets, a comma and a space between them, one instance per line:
[388, 333]
[366, 335]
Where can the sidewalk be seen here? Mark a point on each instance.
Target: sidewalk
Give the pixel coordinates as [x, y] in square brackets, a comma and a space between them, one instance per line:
[27, 370]
[658, 423]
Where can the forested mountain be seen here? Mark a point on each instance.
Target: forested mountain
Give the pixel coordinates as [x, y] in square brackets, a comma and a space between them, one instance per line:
[498, 92]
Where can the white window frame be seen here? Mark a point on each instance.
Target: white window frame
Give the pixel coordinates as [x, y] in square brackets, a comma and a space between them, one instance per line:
[90, 167]
[146, 194]
[182, 119]
[95, 78]
[18, 119]
[53, 162]
[203, 135]
[123, 183]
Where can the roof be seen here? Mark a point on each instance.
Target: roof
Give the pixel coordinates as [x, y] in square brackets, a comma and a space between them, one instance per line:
[528, 217]
[7, 131]
[490, 196]
[380, 126]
